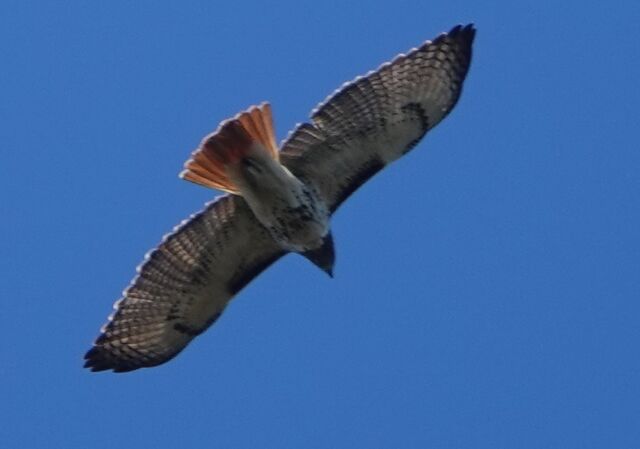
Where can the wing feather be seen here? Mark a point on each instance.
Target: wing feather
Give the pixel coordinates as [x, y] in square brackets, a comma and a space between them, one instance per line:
[183, 286]
[376, 119]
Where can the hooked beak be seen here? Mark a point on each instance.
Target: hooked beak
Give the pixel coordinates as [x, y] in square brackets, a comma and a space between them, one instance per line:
[324, 256]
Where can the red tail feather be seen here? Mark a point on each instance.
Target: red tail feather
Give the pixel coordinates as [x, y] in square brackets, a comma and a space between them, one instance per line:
[251, 130]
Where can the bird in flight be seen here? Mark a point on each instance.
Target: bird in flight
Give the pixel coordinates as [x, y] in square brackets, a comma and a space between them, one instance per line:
[278, 201]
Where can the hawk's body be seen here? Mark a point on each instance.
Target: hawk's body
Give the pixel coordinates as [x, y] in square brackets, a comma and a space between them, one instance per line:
[278, 201]
[292, 212]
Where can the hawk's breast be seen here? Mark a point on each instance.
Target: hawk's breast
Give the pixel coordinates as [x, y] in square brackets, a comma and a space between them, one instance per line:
[299, 224]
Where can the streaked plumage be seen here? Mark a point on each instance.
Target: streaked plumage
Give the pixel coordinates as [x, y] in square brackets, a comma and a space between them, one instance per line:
[278, 202]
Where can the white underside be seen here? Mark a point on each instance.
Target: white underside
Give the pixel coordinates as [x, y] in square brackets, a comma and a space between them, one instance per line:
[296, 218]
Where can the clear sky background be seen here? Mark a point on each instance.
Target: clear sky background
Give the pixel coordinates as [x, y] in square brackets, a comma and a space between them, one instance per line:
[487, 289]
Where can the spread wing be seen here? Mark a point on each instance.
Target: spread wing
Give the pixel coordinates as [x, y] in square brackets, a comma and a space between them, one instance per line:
[183, 286]
[377, 118]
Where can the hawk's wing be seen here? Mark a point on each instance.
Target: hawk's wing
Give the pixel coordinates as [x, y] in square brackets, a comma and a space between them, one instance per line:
[379, 117]
[183, 286]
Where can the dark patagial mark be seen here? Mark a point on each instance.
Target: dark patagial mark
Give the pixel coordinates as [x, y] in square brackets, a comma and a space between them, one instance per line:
[365, 172]
[188, 330]
[195, 331]
[246, 274]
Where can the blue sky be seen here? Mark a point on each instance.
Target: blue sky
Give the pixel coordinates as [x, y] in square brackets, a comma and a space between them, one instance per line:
[487, 288]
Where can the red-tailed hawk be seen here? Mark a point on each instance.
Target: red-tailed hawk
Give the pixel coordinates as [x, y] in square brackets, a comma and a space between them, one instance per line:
[278, 201]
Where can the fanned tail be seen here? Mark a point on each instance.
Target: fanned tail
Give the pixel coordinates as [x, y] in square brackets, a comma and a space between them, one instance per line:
[247, 132]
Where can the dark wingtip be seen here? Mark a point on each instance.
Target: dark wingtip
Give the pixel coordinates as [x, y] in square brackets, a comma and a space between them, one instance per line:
[467, 31]
[453, 31]
[97, 359]
[94, 360]
[464, 34]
